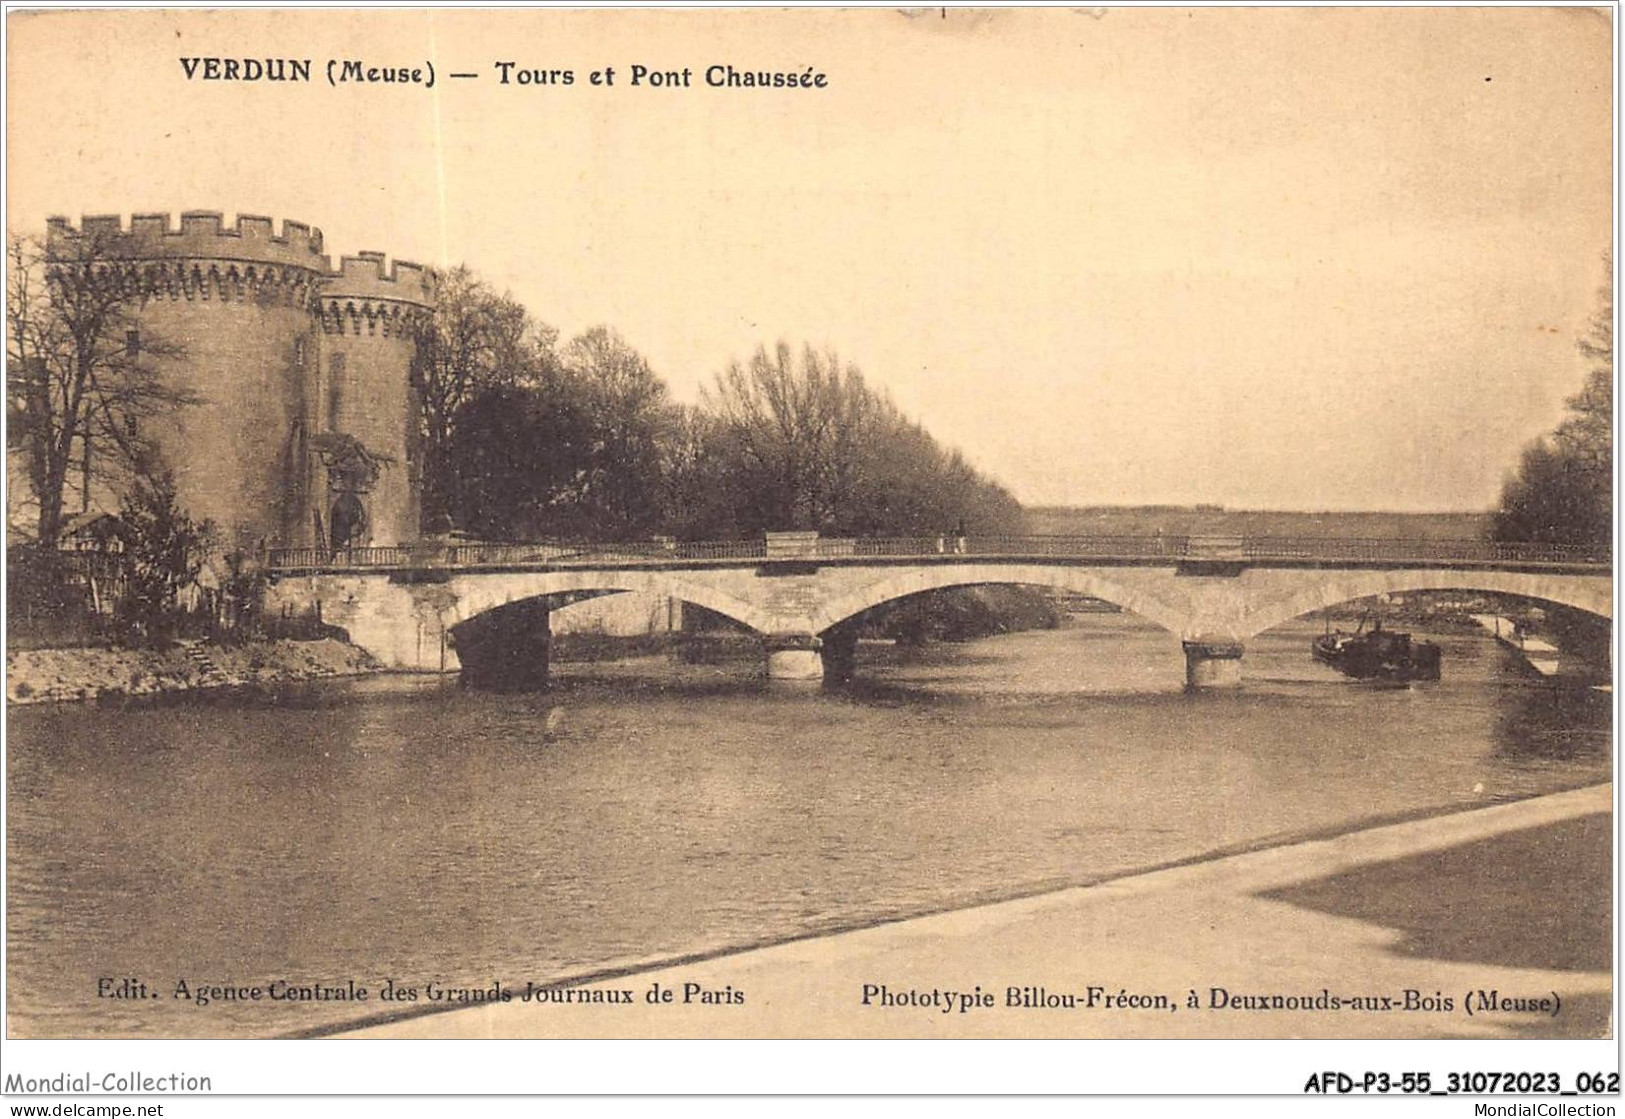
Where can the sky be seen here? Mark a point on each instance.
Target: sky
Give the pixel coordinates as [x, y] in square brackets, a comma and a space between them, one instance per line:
[1328, 258]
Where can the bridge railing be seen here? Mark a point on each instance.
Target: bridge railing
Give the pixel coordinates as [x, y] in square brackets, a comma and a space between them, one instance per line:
[281, 558]
[460, 555]
[945, 544]
[1332, 549]
[433, 554]
[1072, 547]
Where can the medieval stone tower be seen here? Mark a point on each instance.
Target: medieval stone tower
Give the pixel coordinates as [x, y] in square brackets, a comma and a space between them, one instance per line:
[305, 428]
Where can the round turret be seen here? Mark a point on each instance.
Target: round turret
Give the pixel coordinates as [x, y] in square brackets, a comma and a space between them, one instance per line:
[303, 428]
[371, 318]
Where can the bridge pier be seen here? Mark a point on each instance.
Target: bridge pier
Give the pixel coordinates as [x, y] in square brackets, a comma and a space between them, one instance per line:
[839, 653]
[506, 650]
[1212, 663]
[794, 657]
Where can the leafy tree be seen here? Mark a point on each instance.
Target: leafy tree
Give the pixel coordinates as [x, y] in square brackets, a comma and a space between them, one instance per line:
[240, 602]
[1563, 490]
[585, 443]
[624, 405]
[522, 455]
[476, 340]
[83, 377]
[574, 449]
[1553, 499]
[164, 551]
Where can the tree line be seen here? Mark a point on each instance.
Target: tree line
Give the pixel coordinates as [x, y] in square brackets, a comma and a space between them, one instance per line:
[1562, 491]
[527, 436]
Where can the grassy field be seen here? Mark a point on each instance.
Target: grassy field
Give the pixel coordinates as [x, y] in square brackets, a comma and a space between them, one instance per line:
[1203, 520]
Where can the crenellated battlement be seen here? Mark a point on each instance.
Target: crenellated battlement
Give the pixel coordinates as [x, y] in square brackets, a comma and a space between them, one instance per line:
[202, 257]
[201, 235]
[363, 278]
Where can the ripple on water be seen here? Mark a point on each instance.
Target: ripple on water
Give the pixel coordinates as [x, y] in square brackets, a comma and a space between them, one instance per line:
[399, 828]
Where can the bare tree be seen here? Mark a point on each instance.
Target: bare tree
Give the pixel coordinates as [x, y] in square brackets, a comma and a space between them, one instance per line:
[83, 377]
[799, 427]
[812, 446]
[702, 490]
[1588, 432]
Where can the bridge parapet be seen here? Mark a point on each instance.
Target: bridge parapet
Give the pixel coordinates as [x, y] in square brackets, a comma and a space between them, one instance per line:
[1413, 550]
[1143, 550]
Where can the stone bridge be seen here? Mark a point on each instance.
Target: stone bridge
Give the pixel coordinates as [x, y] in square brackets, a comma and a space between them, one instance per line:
[420, 606]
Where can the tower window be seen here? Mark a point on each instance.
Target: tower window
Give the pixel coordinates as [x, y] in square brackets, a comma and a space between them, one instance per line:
[132, 343]
[335, 390]
[299, 353]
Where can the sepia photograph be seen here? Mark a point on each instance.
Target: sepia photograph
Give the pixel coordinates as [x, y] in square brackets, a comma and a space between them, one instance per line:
[814, 523]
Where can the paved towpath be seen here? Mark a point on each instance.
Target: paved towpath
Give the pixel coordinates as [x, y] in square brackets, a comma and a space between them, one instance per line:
[1514, 899]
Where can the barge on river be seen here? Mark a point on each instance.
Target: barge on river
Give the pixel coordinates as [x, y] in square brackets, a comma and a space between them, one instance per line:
[1379, 655]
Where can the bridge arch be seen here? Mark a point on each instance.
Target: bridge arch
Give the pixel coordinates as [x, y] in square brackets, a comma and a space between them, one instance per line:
[1590, 593]
[903, 582]
[474, 595]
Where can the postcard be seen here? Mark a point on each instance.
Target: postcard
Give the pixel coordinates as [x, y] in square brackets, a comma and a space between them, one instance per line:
[1086, 526]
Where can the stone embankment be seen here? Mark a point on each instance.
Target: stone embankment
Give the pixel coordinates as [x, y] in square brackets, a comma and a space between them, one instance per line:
[1542, 655]
[61, 675]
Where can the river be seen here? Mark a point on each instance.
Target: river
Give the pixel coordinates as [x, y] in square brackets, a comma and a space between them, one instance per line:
[399, 827]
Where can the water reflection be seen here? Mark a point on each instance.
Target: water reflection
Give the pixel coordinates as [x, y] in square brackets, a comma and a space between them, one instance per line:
[400, 828]
[1551, 722]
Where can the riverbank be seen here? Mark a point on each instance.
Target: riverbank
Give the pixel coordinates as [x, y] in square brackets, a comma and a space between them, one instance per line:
[1539, 654]
[1400, 931]
[68, 675]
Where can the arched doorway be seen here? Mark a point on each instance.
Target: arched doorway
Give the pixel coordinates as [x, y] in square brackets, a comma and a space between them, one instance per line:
[348, 521]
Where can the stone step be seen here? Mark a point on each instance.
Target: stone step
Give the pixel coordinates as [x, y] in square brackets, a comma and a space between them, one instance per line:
[208, 671]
